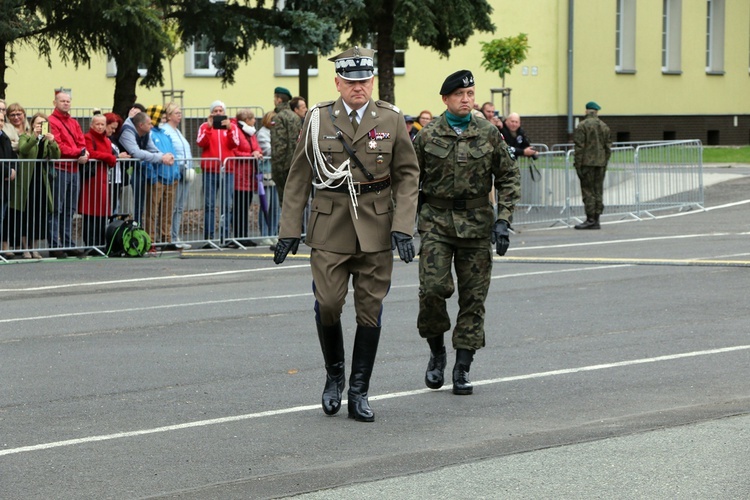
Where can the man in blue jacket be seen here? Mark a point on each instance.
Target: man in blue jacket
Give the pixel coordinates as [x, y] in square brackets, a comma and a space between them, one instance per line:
[161, 179]
[136, 139]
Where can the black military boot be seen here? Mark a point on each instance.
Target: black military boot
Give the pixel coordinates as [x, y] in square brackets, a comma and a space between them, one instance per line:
[363, 359]
[332, 344]
[435, 374]
[461, 383]
[591, 222]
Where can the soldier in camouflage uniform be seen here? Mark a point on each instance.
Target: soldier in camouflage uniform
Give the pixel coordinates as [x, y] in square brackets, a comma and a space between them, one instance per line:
[593, 147]
[460, 156]
[284, 135]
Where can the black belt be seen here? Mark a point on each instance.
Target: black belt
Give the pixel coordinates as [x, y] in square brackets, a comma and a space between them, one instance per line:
[363, 187]
[453, 204]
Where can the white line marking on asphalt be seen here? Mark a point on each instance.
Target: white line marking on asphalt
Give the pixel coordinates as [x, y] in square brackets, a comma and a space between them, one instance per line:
[266, 297]
[152, 278]
[297, 409]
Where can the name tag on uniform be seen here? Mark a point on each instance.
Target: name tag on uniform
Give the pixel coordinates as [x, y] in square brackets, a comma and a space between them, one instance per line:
[462, 157]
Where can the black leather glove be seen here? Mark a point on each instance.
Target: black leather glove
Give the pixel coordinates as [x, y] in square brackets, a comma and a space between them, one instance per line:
[500, 236]
[405, 245]
[283, 246]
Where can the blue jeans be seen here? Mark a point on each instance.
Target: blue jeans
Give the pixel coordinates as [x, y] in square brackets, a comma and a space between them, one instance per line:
[270, 228]
[183, 189]
[64, 203]
[212, 182]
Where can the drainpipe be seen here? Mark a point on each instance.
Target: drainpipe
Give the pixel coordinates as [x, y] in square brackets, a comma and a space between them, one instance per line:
[570, 66]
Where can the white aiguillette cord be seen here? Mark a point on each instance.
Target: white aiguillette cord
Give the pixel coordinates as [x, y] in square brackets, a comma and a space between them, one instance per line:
[330, 176]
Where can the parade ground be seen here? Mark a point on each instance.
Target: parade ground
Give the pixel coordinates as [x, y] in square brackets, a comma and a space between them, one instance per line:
[617, 365]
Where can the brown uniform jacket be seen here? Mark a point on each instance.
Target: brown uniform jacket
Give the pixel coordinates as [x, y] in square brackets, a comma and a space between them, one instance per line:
[384, 148]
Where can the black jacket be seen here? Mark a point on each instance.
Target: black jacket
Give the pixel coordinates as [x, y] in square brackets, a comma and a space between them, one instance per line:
[6, 153]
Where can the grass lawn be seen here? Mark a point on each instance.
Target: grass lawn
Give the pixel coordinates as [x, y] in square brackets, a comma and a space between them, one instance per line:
[726, 154]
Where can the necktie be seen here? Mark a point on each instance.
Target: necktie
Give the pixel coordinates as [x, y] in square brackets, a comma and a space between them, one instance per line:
[354, 117]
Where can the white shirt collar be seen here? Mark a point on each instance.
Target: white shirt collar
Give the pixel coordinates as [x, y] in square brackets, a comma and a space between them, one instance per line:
[360, 111]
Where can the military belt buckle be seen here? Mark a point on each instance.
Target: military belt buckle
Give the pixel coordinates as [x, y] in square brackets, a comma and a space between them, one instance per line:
[459, 204]
[357, 188]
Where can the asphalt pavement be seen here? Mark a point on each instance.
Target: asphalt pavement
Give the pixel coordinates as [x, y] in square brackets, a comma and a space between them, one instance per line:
[616, 366]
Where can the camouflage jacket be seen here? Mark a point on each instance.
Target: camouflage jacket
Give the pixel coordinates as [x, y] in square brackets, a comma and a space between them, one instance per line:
[284, 135]
[593, 144]
[463, 167]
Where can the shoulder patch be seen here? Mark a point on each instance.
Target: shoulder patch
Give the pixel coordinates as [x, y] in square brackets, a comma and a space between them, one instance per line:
[324, 104]
[387, 105]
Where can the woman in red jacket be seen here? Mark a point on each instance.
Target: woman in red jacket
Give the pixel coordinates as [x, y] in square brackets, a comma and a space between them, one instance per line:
[244, 176]
[93, 203]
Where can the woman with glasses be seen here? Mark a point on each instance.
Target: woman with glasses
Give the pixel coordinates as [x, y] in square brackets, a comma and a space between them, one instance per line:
[15, 116]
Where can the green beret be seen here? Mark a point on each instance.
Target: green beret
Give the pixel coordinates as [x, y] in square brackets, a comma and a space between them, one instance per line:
[459, 80]
[593, 105]
[282, 90]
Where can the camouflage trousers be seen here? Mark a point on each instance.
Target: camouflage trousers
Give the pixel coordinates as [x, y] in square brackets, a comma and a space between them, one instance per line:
[278, 176]
[472, 259]
[592, 188]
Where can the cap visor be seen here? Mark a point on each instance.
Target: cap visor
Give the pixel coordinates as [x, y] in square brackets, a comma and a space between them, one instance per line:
[356, 75]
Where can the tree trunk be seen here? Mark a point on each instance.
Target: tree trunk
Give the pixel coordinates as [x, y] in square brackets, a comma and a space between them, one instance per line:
[125, 83]
[386, 53]
[305, 63]
[3, 67]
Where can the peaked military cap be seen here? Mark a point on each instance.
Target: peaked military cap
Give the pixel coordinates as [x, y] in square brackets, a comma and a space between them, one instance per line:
[459, 80]
[593, 105]
[355, 64]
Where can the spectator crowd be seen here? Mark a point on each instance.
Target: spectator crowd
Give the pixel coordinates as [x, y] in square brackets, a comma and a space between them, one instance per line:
[60, 171]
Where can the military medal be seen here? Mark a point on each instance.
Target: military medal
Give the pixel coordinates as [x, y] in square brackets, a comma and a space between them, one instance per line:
[379, 159]
[373, 144]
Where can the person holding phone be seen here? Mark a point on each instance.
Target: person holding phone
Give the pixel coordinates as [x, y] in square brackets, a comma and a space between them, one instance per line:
[30, 199]
[217, 138]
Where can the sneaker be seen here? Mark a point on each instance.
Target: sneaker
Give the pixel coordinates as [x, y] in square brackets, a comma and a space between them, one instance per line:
[58, 254]
[182, 246]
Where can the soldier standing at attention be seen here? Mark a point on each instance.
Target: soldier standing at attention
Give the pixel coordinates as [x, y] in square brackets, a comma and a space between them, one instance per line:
[284, 134]
[358, 155]
[459, 157]
[593, 147]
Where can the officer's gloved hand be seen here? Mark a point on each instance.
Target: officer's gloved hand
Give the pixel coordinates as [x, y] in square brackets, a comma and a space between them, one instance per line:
[283, 246]
[500, 236]
[405, 245]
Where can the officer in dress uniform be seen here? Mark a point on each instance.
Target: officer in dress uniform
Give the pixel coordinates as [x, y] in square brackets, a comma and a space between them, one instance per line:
[358, 155]
[461, 158]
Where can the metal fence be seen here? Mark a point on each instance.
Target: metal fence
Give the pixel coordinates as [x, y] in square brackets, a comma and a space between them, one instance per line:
[641, 179]
[53, 207]
[56, 208]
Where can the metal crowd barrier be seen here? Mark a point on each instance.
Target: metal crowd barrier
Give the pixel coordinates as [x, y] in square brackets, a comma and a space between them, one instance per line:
[640, 179]
[53, 209]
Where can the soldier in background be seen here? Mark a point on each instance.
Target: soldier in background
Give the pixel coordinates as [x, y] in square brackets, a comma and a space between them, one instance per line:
[459, 157]
[284, 135]
[358, 155]
[593, 147]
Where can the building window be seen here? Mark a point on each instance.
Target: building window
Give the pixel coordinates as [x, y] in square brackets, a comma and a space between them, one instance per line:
[200, 61]
[399, 61]
[625, 37]
[671, 36]
[715, 36]
[112, 69]
[286, 63]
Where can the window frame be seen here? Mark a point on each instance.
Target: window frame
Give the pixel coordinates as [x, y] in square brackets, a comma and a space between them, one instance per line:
[192, 71]
[671, 58]
[715, 34]
[625, 36]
